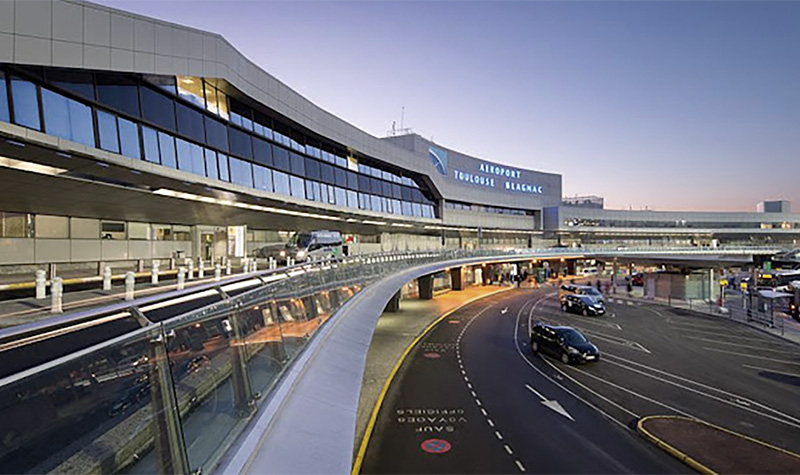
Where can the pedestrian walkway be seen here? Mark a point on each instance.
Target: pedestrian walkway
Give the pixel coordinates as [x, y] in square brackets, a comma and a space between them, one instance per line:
[395, 332]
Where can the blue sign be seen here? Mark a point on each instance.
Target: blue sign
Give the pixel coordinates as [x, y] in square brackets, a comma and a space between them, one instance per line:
[439, 159]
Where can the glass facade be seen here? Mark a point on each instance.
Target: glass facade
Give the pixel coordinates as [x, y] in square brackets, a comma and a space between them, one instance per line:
[191, 125]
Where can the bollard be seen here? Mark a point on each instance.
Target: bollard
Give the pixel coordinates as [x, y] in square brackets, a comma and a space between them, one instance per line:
[181, 277]
[41, 284]
[130, 281]
[107, 278]
[201, 271]
[154, 273]
[255, 265]
[271, 263]
[191, 269]
[217, 272]
[56, 293]
[244, 265]
[171, 263]
[227, 267]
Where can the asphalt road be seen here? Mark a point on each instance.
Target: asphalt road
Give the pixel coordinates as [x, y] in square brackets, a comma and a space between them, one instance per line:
[471, 398]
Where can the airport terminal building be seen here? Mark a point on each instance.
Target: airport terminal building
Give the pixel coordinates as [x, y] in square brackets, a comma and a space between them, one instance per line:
[126, 139]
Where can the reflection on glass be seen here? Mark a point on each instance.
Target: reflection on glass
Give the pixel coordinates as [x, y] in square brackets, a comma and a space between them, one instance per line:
[67, 119]
[297, 186]
[224, 173]
[166, 145]
[107, 130]
[26, 105]
[211, 164]
[191, 89]
[150, 139]
[129, 138]
[281, 182]
[4, 111]
[262, 178]
[241, 172]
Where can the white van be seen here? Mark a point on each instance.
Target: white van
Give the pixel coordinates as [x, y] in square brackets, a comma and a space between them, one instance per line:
[312, 246]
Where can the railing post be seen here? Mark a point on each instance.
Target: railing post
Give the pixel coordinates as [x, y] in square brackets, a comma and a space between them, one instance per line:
[190, 263]
[201, 268]
[130, 282]
[181, 278]
[170, 450]
[242, 393]
[217, 271]
[227, 267]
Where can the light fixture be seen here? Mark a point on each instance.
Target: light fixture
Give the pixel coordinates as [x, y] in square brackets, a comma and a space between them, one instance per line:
[30, 167]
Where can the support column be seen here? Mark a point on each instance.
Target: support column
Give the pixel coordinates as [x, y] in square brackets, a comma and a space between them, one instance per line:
[425, 284]
[393, 305]
[457, 278]
[571, 266]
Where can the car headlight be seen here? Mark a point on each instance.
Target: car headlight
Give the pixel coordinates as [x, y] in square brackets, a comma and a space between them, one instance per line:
[572, 350]
[598, 305]
[301, 254]
[283, 253]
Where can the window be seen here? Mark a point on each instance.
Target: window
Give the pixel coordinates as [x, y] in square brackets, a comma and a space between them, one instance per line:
[78, 82]
[4, 114]
[165, 83]
[376, 202]
[216, 102]
[297, 164]
[375, 186]
[217, 134]
[112, 229]
[262, 177]
[417, 210]
[240, 143]
[190, 123]
[118, 92]
[26, 104]
[396, 192]
[241, 172]
[191, 89]
[281, 182]
[150, 139]
[298, 187]
[406, 208]
[262, 152]
[67, 119]
[323, 193]
[166, 145]
[310, 194]
[129, 138]
[386, 188]
[280, 158]
[224, 170]
[352, 199]
[341, 196]
[211, 164]
[312, 169]
[352, 181]
[16, 225]
[190, 158]
[107, 131]
[158, 108]
[326, 172]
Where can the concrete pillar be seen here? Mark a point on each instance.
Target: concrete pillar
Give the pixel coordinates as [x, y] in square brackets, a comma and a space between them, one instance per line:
[457, 278]
[394, 303]
[571, 266]
[107, 278]
[56, 293]
[425, 284]
[41, 284]
[130, 282]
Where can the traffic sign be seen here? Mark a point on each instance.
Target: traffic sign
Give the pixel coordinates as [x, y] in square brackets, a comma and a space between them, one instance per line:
[432, 355]
[436, 446]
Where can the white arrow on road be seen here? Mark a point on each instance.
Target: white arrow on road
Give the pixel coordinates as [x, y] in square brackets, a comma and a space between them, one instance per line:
[551, 403]
[504, 311]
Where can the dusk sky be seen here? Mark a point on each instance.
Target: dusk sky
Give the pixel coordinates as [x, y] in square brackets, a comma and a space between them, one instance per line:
[668, 105]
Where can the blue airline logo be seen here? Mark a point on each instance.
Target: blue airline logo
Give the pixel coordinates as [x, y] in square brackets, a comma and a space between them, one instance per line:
[439, 159]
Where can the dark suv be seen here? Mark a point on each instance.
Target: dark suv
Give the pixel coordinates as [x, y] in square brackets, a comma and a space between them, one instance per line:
[583, 304]
[565, 343]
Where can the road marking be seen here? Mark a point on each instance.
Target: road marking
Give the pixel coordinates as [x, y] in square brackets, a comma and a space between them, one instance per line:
[498, 434]
[508, 449]
[466, 379]
[504, 311]
[617, 340]
[739, 336]
[485, 414]
[469, 385]
[551, 404]
[641, 396]
[741, 345]
[568, 391]
[520, 466]
[795, 422]
[491, 422]
[771, 370]
[796, 363]
[478, 402]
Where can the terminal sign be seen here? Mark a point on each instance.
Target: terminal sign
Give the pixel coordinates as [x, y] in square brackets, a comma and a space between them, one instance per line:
[487, 175]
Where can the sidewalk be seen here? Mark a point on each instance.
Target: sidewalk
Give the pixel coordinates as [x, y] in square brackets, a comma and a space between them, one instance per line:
[394, 332]
[710, 449]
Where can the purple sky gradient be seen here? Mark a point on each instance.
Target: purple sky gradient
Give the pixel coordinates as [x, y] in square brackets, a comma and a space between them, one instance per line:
[670, 105]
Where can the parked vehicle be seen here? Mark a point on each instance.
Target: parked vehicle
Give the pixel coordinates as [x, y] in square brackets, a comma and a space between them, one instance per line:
[565, 343]
[637, 279]
[572, 289]
[583, 304]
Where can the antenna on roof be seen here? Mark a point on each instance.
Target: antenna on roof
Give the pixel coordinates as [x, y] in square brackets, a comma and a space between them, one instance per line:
[402, 130]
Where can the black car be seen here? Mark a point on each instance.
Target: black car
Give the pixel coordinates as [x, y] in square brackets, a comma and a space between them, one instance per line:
[565, 343]
[583, 304]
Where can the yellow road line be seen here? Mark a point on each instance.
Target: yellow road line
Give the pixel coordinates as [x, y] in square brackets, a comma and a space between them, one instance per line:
[374, 417]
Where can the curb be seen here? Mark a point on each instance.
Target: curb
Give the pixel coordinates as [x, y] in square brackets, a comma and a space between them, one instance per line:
[362, 451]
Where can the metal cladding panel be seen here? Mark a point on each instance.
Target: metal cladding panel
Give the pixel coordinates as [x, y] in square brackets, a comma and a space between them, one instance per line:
[122, 41]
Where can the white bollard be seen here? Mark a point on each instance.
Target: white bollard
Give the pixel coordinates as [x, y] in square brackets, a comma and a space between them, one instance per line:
[107, 278]
[227, 267]
[154, 273]
[201, 271]
[130, 281]
[217, 272]
[56, 294]
[41, 284]
[254, 267]
[191, 269]
[181, 277]
[245, 265]
[273, 264]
